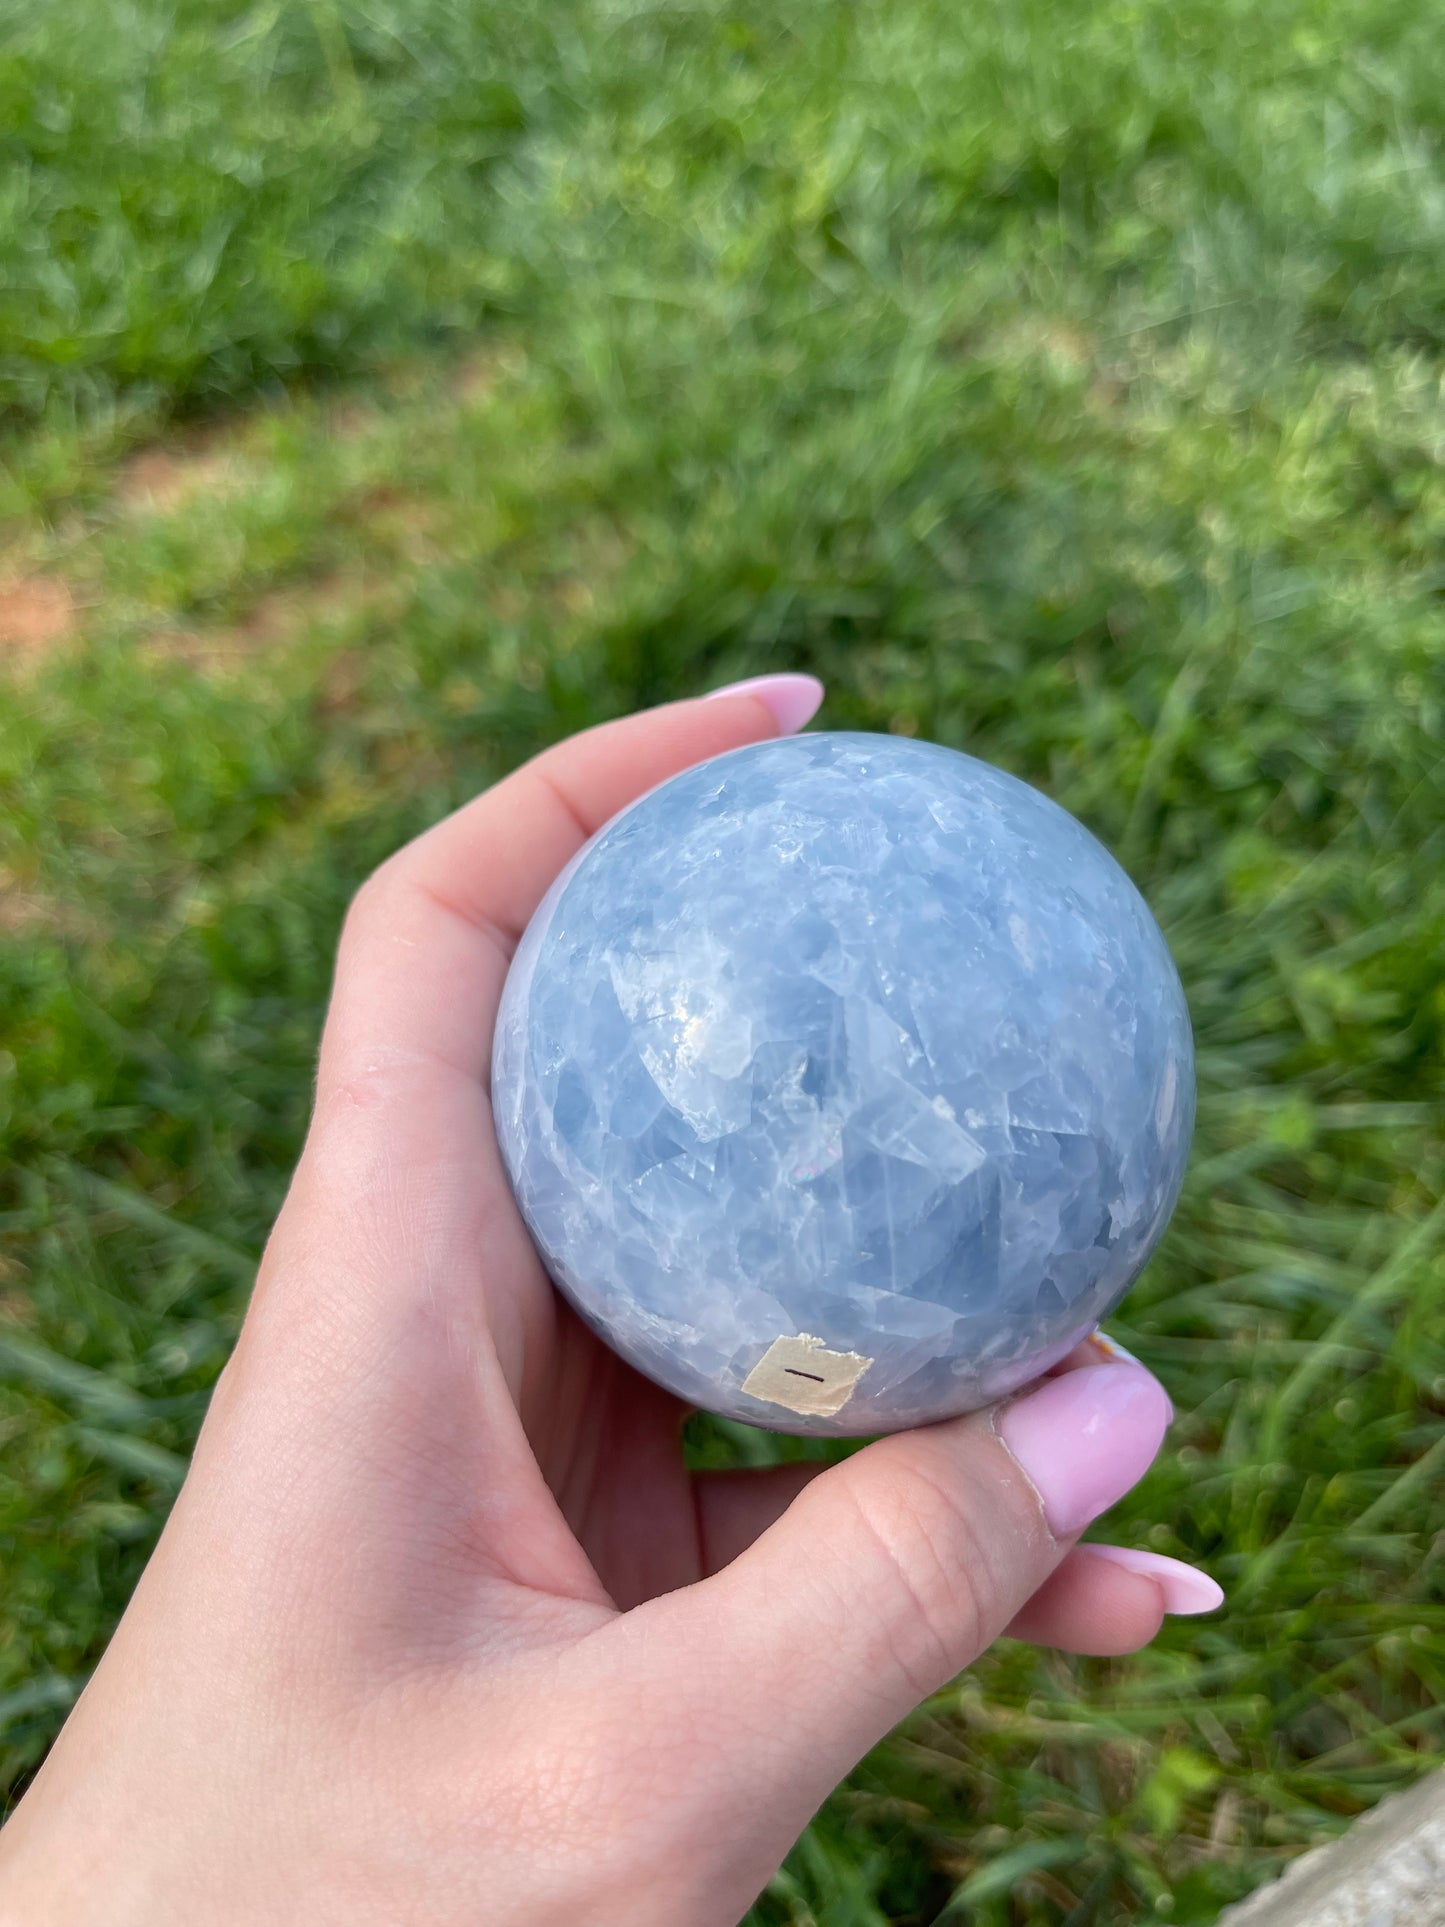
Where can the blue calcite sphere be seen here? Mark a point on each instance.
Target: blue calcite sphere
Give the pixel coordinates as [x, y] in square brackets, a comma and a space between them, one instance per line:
[844, 1083]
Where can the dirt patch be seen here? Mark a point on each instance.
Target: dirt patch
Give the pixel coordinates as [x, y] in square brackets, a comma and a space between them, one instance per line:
[160, 479]
[342, 682]
[16, 1305]
[349, 420]
[31, 916]
[410, 527]
[278, 620]
[26, 912]
[37, 615]
[477, 376]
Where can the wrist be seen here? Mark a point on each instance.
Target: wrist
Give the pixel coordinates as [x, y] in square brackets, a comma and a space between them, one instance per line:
[63, 1865]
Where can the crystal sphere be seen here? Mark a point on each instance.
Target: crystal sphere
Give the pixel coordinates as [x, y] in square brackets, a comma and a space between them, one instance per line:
[844, 1083]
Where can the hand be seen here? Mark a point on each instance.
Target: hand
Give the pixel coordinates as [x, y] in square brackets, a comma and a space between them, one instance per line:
[440, 1629]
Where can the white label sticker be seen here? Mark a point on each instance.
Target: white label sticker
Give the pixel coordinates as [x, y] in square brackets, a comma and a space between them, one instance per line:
[802, 1374]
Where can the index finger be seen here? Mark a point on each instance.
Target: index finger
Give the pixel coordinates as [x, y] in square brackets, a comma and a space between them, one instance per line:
[425, 950]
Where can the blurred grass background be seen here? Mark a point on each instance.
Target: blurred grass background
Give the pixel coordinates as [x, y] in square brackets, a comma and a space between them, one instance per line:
[388, 387]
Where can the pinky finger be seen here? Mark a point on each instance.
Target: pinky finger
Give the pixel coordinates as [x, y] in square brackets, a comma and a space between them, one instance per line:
[1107, 1600]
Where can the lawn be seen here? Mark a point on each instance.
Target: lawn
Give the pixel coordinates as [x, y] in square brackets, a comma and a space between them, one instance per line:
[388, 387]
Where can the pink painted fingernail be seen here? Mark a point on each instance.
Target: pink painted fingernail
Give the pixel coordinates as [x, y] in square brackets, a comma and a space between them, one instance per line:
[1186, 1589]
[793, 699]
[1084, 1439]
[1109, 1348]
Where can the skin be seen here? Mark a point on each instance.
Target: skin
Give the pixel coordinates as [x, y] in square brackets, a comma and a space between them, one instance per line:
[440, 1629]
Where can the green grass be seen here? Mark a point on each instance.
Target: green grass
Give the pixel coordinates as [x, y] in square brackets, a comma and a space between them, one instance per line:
[1061, 383]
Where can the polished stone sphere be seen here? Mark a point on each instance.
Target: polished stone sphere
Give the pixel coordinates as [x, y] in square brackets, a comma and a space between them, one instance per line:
[844, 1082]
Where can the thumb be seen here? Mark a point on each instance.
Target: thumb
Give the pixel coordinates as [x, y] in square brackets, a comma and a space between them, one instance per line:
[893, 1570]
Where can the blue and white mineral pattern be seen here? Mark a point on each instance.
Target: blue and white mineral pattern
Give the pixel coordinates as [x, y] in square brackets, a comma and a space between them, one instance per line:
[844, 1083]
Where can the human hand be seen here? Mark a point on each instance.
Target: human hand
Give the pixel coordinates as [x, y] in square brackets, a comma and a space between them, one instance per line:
[440, 1629]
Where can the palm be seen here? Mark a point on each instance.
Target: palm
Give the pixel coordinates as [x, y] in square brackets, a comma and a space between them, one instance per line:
[608, 1444]
[610, 1451]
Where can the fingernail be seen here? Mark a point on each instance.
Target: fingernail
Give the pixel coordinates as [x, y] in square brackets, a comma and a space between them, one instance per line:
[793, 699]
[1085, 1439]
[1186, 1589]
[1111, 1350]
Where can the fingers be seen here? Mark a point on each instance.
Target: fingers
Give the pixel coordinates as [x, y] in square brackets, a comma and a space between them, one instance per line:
[734, 1508]
[891, 1571]
[1107, 1600]
[1091, 1606]
[426, 946]
[1103, 1600]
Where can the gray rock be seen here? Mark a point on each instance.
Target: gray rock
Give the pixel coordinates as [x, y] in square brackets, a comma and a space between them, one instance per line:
[1387, 1871]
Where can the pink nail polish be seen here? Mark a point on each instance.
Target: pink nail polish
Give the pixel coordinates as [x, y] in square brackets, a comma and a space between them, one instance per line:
[1186, 1589]
[793, 699]
[1084, 1439]
[1109, 1349]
